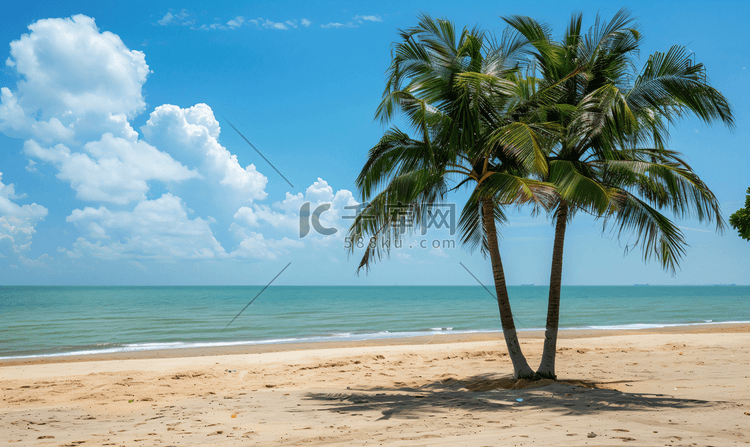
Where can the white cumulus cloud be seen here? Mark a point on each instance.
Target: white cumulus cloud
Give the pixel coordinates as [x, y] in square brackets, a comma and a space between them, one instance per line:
[113, 169]
[285, 214]
[246, 216]
[158, 229]
[73, 79]
[17, 222]
[163, 229]
[78, 90]
[254, 246]
[191, 135]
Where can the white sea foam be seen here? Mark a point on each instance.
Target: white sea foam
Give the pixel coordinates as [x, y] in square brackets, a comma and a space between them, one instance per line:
[636, 326]
[183, 345]
[348, 336]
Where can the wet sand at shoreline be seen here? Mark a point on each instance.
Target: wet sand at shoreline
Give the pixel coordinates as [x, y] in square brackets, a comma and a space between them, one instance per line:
[687, 385]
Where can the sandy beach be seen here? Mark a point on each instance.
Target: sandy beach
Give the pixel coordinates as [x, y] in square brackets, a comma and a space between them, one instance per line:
[674, 386]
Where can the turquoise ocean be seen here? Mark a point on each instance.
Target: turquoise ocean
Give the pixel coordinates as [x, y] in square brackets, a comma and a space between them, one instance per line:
[55, 321]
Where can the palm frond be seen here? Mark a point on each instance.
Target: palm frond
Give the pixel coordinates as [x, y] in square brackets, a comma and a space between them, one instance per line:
[654, 232]
[672, 83]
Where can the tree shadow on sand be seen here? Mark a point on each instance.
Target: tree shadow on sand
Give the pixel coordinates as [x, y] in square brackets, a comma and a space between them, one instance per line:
[489, 393]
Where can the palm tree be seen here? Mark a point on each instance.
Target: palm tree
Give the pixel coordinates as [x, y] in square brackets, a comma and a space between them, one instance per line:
[461, 95]
[610, 158]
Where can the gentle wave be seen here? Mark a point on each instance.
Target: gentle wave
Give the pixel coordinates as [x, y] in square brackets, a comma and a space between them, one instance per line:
[636, 326]
[54, 321]
[347, 336]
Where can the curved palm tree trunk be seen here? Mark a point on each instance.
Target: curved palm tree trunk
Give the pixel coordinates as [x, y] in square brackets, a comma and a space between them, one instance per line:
[547, 366]
[521, 369]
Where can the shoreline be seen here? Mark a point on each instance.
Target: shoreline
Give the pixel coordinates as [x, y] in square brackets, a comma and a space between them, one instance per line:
[436, 339]
[672, 386]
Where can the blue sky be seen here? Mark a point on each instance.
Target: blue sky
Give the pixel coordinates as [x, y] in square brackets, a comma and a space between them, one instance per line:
[118, 165]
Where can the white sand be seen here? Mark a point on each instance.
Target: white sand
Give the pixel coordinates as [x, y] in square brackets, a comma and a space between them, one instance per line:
[687, 386]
